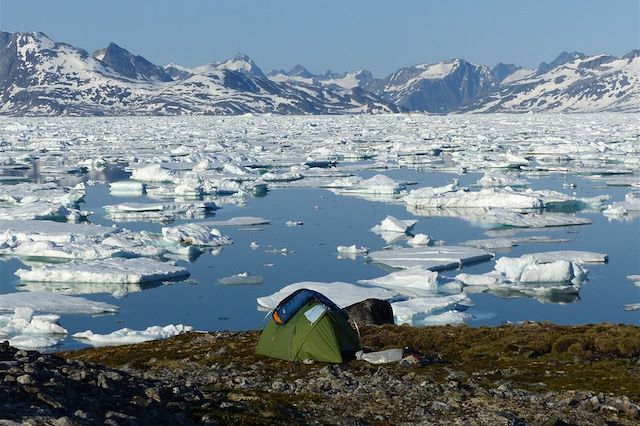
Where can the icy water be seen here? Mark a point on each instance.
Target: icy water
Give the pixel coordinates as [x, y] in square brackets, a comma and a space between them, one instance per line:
[565, 153]
[330, 220]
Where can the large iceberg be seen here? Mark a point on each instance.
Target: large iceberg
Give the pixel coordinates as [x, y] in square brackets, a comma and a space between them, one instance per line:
[114, 270]
[415, 311]
[378, 184]
[53, 303]
[23, 329]
[433, 258]
[197, 234]
[127, 336]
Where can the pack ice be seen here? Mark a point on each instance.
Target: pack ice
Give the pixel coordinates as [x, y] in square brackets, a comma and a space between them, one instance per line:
[113, 270]
[126, 336]
[53, 303]
[433, 258]
[25, 330]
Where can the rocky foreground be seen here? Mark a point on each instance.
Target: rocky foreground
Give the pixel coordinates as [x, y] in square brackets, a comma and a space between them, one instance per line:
[527, 374]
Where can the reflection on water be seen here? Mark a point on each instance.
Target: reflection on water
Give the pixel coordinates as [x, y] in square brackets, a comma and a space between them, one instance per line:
[224, 284]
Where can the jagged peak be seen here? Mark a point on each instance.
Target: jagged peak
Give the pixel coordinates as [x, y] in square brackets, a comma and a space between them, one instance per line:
[299, 71]
[241, 63]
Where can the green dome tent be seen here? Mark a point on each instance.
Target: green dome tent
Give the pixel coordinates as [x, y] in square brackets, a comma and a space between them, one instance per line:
[313, 331]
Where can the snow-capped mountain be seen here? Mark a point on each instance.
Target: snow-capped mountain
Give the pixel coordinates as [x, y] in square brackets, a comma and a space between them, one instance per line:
[39, 76]
[572, 83]
[299, 74]
[129, 65]
[442, 87]
[238, 85]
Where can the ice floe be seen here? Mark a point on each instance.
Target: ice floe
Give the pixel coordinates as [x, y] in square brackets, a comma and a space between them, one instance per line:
[433, 258]
[240, 221]
[23, 329]
[506, 243]
[128, 336]
[496, 179]
[416, 311]
[243, 278]
[196, 234]
[127, 188]
[496, 198]
[420, 240]
[413, 277]
[549, 267]
[631, 203]
[352, 251]
[74, 288]
[53, 303]
[391, 224]
[114, 270]
[577, 256]
[158, 211]
[378, 184]
[531, 269]
[530, 219]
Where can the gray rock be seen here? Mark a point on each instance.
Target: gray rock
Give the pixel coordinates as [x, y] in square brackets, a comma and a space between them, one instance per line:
[371, 312]
[25, 379]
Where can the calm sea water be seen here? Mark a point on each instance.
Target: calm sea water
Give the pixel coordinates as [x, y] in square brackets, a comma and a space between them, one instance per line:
[331, 220]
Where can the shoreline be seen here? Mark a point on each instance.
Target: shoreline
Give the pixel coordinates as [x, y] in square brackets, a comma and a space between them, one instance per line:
[533, 373]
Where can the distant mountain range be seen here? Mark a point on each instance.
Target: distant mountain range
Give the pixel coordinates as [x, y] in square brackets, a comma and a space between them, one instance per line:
[39, 76]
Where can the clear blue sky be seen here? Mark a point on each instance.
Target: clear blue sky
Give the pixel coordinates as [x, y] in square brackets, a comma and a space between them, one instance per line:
[338, 34]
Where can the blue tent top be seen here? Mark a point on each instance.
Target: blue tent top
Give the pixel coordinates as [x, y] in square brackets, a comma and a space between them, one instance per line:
[291, 304]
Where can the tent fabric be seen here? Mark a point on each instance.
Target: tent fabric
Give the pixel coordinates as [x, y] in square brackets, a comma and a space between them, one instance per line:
[291, 304]
[329, 338]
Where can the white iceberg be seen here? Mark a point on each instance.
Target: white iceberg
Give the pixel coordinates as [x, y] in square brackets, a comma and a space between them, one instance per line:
[419, 240]
[72, 288]
[577, 256]
[631, 203]
[530, 219]
[391, 224]
[243, 278]
[128, 336]
[432, 258]
[53, 303]
[240, 221]
[506, 243]
[127, 188]
[62, 251]
[378, 184]
[414, 277]
[416, 310]
[342, 294]
[166, 211]
[114, 270]
[197, 234]
[352, 250]
[154, 173]
[495, 179]
[428, 197]
[23, 329]
[34, 230]
[528, 269]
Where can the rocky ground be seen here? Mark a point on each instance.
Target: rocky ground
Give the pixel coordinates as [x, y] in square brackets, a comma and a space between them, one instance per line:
[527, 374]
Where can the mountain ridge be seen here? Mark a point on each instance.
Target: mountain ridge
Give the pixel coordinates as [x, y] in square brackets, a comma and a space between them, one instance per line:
[40, 76]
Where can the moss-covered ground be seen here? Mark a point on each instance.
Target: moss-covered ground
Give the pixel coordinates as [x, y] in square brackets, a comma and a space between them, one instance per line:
[599, 358]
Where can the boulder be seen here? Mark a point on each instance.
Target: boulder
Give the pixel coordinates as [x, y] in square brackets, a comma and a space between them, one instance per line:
[371, 312]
